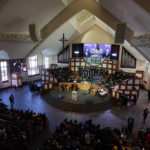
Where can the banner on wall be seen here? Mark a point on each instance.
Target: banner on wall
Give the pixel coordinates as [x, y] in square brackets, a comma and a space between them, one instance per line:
[97, 50]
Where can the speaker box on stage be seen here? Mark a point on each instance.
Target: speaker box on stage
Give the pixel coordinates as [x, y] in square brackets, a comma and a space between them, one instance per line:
[89, 101]
[60, 96]
[120, 33]
[33, 31]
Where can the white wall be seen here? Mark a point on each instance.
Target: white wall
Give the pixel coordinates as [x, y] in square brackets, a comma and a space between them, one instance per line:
[94, 35]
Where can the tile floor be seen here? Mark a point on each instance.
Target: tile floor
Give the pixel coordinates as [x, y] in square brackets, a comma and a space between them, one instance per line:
[116, 117]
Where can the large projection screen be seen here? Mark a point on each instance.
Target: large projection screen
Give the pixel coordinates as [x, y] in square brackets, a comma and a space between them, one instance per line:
[97, 50]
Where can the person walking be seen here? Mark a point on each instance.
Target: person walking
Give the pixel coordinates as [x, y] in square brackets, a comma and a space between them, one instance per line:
[11, 100]
[145, 114]
[130, 124]
[148, 95]
[135, 99]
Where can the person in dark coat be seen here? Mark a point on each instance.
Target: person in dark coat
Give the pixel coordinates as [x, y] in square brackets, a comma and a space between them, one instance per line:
[130, 124]
[11, 100]
[135, 99]
[145, 114]
[90, 89]
[148, 95]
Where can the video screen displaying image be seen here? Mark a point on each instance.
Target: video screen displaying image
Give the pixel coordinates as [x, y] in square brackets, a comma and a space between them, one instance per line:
[97, 50]
[77, 50]
[18, 65]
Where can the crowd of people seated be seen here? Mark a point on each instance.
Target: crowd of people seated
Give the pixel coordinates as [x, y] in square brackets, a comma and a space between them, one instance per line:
[117, 78]
[18, 128]
[62, 74]
[88, 74]
[91, 74]
[73, 135]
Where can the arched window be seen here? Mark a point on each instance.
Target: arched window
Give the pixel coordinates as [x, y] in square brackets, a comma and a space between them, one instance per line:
[46, 62]
[33, 66]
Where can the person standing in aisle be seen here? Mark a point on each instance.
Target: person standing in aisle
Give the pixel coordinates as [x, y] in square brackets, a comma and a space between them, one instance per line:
[11, 100]
[148, 95]
[130, 122]
[145, 114]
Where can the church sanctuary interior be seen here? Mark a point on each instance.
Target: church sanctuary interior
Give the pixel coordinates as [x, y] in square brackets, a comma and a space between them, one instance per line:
[74, 75]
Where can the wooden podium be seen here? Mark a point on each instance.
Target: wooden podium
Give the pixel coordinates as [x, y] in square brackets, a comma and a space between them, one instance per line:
[93, 92]
[74, 95]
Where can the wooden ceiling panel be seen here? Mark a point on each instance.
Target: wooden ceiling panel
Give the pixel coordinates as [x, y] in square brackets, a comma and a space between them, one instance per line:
[144, 3]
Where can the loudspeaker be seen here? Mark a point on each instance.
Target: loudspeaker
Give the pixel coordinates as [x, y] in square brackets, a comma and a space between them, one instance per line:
[89, 101]
[60, 96]
[120, 33]
[34, 32]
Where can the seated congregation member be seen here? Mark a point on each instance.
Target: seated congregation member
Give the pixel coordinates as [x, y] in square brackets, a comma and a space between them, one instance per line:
[72, 87]
[62, 87]
[67, 88]
[90, 89]
[75, 87]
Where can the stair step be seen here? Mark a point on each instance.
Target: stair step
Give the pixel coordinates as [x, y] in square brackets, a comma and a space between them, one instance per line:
[57, 103]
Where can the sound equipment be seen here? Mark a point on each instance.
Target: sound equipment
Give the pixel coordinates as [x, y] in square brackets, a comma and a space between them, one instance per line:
[89, 101]
[33, 31]
[120, 33]
[60, 96]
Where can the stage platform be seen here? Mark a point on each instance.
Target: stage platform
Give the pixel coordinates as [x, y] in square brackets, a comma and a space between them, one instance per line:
[86, 102]
[83, 96]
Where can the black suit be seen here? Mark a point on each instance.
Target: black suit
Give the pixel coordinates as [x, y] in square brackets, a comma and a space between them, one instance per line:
[106, 55]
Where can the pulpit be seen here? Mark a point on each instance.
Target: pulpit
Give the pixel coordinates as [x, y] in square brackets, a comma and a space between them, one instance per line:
[93, 92]
[74, 95]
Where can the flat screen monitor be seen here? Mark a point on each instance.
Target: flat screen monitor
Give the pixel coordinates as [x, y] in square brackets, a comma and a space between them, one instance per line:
[97, 50]
[77, 50]
[115, 52]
